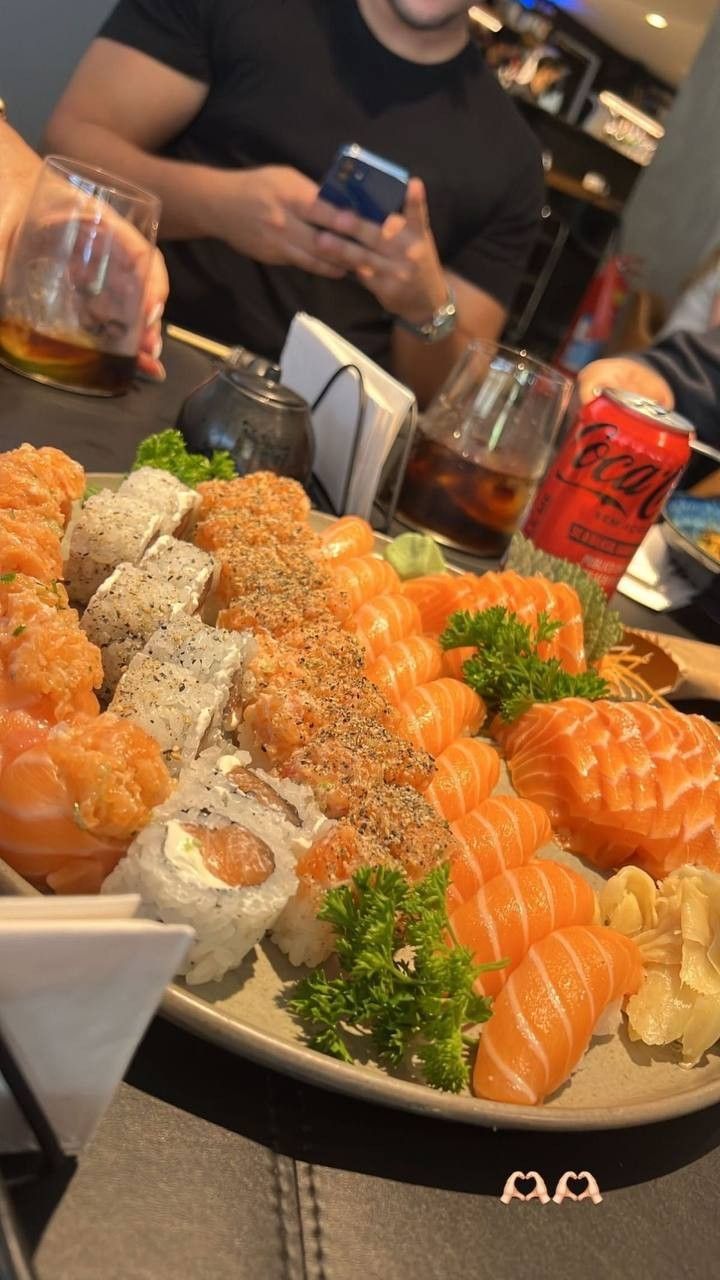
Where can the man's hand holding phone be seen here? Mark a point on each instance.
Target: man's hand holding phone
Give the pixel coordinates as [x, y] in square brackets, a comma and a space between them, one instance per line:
[397, 261]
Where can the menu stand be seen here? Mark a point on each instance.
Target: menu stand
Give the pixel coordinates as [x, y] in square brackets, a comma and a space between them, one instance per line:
[47, 1170]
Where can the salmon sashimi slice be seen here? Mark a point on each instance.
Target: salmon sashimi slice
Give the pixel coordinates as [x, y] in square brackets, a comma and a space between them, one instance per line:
[363, 577]
[454, 660]
[29, 546]
[501, 833]
[19, 731]
[438, 595]
[527, 598]
[347, 538]
[622, 781]
[381, 622]
[517, 908]
[547, 1012]
[433, 715]
[467, 772]
[405, 664]
[84, 790]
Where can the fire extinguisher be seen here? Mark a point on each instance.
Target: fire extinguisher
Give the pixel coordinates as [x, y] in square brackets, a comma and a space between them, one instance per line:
[594, 320]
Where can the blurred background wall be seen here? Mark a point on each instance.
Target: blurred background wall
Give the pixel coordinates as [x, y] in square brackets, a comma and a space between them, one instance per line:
[40, 43]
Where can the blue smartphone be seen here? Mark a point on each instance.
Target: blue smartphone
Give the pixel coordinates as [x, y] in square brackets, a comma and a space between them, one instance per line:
[370, 186]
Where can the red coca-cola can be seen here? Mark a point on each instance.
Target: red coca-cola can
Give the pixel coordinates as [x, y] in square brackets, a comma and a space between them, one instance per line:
[621, 459]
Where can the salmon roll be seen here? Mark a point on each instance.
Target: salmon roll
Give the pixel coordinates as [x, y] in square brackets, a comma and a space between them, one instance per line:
[122, 616]
[229, 877]
[179, 711]
[29, 545]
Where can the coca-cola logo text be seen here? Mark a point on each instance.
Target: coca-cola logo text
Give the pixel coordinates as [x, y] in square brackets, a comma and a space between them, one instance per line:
[616, 477]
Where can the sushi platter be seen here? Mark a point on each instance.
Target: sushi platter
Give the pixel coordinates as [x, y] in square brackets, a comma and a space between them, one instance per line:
[245, 1006]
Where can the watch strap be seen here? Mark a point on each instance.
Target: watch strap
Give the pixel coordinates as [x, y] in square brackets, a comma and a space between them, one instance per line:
[440, 325]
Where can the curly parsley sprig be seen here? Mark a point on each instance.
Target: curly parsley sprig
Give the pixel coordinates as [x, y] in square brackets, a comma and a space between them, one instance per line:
[402, 980]
[507, 670]
[168, 452]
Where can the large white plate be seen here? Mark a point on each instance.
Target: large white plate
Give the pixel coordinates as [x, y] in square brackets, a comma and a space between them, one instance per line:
[618, 1084]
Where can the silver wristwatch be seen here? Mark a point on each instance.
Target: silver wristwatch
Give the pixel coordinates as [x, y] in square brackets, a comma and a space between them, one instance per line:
[441, 324]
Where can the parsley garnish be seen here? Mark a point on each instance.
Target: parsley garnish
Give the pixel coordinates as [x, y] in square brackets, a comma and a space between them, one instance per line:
[507, 670]
[8, 577]
[167, 451]
[19, 630]
[402, 981]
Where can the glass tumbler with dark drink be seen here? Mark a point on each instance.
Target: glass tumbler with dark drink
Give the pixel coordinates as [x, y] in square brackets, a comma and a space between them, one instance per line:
[73, 293]
[482, 448]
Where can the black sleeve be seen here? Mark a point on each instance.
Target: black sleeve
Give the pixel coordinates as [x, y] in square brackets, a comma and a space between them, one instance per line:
[174, 32]
[690, 362]
[496, 258]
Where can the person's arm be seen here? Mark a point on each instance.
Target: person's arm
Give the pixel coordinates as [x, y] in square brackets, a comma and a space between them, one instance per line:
[681, 372]
[122, 105]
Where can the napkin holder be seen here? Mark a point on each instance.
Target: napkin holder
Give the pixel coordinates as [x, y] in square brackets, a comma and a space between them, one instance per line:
[45, 1172]
[358, 411]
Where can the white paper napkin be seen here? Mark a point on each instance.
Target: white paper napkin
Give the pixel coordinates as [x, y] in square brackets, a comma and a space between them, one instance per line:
[78, 987]
[651, 577]
[312, 354]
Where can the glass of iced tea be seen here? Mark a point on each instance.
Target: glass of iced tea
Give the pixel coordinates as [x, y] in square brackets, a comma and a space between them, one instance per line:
[72, 296]
[482, 448]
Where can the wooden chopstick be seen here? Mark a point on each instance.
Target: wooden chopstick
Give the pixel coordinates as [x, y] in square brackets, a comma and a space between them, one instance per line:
[197, 340]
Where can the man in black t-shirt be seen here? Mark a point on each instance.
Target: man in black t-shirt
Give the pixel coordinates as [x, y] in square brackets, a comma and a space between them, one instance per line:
[232, 110]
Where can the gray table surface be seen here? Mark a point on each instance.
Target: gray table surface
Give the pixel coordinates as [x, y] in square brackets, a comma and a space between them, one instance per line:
[208, 1167]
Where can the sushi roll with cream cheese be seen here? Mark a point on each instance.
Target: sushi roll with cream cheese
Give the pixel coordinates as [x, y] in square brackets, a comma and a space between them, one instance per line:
[228, 879]
[190, 571]
[208, 652]
[123, 614]
[108, 530]
[179, 711]
[175, 503]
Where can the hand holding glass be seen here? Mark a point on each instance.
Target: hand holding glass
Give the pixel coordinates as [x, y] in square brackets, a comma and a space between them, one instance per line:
[72, 297]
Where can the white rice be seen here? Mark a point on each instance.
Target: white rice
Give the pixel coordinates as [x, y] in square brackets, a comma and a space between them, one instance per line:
[210, 653]
[109, 529]
[122, 615]
[190, 571]
[163, 493]
[299, 934]
[180, 712]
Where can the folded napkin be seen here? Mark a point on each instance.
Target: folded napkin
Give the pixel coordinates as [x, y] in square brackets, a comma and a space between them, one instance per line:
[348, 468]
[80, 979]
[651, 577]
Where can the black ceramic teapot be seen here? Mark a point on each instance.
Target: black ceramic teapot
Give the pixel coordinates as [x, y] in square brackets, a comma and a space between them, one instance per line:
[264, 425]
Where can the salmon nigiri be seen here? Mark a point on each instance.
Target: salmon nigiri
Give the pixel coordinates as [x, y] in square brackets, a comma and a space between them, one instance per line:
[437, 595]
[434, 715]
[404, 665]
[363, 577]
[517, 908]
[545, 1016]
[501, 833]
[346, 538]
[72, 801]
[467, 772]
[380, 622]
